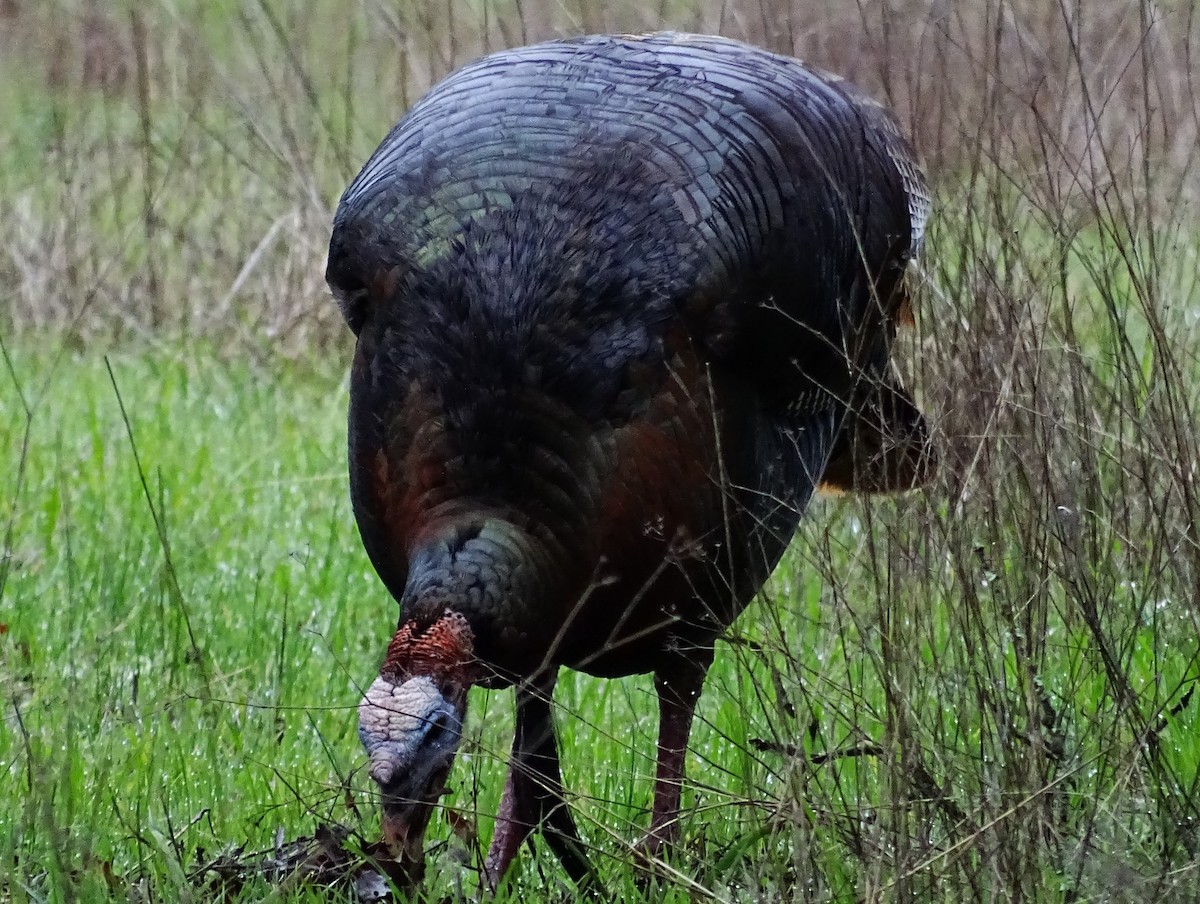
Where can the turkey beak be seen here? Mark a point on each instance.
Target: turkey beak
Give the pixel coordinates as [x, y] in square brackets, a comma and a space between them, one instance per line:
[405, 819]
[411, 733]
[407, 798]
[407, 803]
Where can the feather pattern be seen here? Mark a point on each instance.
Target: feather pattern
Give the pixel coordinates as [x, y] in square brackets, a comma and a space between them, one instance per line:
[550, 235]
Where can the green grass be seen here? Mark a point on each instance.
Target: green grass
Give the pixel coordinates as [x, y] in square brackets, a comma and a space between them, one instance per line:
[124, 745]
[116, 730]
[978, 692]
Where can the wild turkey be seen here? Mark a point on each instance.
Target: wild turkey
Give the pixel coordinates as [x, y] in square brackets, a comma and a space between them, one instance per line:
[620, 302]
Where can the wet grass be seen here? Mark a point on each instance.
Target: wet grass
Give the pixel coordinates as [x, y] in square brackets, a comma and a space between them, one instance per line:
[982, 691]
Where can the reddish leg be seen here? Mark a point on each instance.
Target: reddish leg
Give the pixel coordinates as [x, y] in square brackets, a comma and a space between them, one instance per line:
[533, 794]
[511, 830]
[678, 685]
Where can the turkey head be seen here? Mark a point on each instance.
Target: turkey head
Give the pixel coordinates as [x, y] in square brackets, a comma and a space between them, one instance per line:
[410, 721]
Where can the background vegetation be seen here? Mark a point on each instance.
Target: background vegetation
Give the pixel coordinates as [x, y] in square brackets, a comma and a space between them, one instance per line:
[982, 691]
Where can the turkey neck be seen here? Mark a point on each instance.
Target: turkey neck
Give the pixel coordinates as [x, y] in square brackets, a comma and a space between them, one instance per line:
[494, 574]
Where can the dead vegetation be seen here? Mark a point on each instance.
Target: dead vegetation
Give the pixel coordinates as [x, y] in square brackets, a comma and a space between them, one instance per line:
[181, 168]
[174, 179]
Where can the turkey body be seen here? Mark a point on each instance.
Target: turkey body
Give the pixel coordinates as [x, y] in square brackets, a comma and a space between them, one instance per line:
[620, 303]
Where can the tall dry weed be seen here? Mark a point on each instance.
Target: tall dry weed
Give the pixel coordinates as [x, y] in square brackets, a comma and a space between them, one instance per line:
[1028, 627]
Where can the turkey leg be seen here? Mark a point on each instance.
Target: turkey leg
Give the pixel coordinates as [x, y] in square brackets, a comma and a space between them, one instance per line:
[533, 793]
[678, 684]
